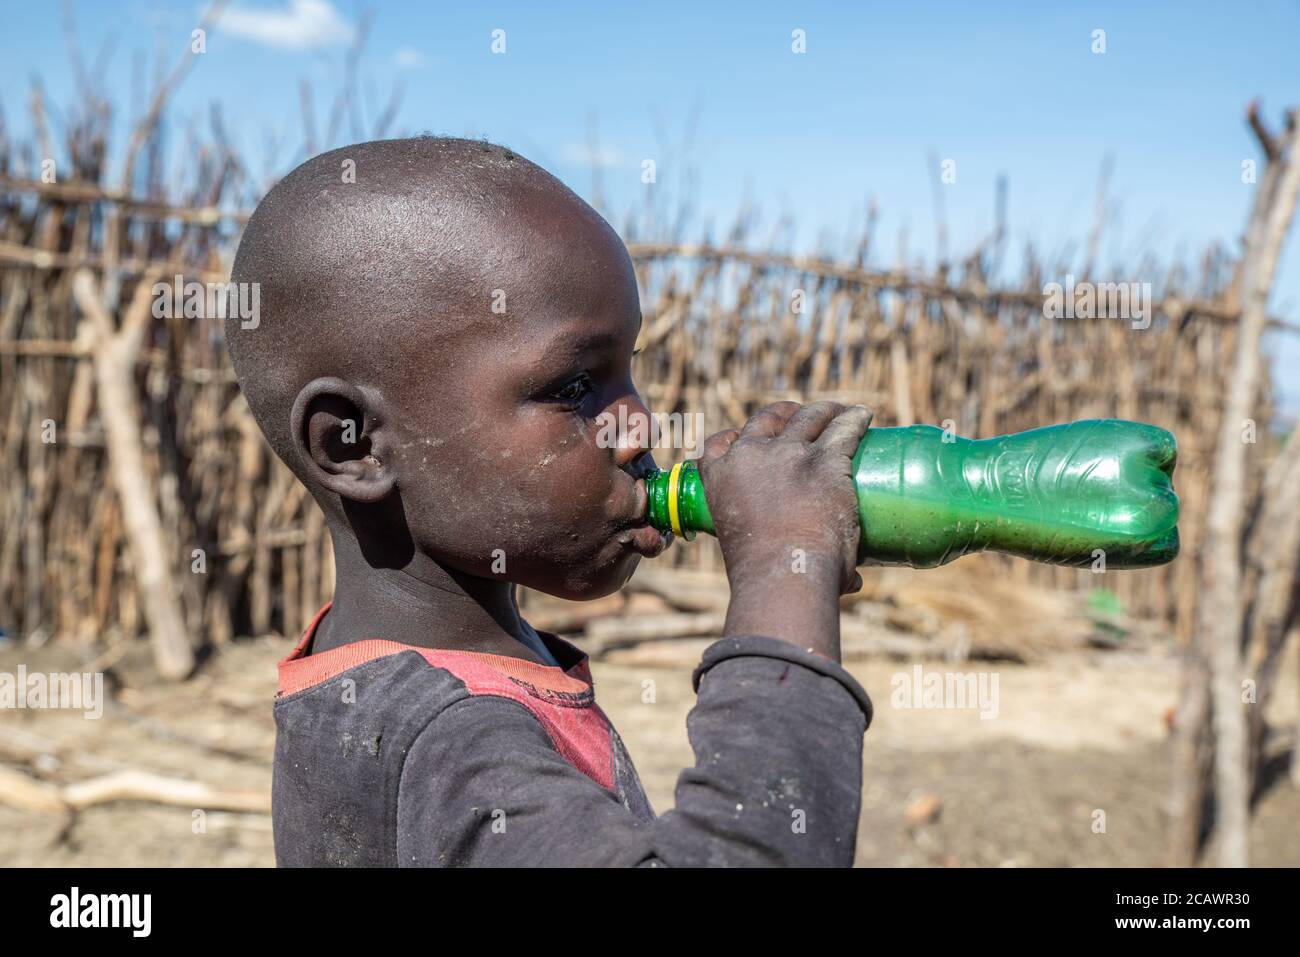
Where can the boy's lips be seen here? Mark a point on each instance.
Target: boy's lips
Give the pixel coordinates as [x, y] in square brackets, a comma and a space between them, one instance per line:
[641, 536]
[646, 540]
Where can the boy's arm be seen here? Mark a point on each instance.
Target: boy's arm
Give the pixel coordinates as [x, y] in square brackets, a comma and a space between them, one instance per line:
[777, 729]
[777, 733]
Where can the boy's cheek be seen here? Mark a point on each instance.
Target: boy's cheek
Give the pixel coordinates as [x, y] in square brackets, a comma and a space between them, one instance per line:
[554, 521]
[547, 495]
[558, 471]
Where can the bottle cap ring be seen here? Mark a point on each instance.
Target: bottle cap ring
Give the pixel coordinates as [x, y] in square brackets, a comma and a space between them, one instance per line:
[674, 516]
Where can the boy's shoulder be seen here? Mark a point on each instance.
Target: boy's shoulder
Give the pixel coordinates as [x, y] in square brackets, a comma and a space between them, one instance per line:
[380, 744]
[378, 688]
[570, 684]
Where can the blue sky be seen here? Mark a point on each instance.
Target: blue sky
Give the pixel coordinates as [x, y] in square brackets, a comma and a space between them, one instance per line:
[1001, 89]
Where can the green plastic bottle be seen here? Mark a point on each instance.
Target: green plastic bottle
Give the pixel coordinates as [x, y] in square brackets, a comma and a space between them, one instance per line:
[1064, 494]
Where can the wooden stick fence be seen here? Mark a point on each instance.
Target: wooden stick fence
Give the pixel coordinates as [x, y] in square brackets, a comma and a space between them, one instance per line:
[720, 338]
[140, 499]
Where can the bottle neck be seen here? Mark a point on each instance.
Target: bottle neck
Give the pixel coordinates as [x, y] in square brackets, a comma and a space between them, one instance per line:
[675, 501]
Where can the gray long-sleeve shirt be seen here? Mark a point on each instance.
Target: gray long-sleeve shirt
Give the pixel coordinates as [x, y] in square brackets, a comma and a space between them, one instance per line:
[389, 754]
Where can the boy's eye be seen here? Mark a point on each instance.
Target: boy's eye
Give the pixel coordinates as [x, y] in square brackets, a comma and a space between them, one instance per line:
[575, 390]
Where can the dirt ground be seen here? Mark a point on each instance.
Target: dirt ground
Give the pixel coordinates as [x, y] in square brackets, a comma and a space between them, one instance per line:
[1077, 734]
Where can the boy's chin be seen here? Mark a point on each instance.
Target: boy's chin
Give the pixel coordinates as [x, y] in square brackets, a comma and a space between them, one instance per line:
[597, 585]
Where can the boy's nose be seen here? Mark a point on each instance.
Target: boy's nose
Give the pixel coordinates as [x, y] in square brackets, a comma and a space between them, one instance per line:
[635, 427]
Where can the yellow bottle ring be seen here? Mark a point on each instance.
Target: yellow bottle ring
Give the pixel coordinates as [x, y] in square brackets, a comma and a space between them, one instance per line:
[674, 517]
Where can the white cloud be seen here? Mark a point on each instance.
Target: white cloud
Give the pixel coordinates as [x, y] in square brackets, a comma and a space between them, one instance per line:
[408, 58]
[302, 25]
[605, 157]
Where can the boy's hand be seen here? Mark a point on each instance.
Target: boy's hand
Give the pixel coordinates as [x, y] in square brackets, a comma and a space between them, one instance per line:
[781, 494]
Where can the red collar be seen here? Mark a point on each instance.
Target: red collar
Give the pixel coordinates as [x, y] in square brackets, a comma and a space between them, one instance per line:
[300, 670]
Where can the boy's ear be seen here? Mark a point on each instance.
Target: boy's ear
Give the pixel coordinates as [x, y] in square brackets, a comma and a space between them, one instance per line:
[335, 431]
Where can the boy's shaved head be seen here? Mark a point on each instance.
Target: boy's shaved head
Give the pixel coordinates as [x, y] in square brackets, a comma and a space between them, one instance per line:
[426, 308]
[398, 240]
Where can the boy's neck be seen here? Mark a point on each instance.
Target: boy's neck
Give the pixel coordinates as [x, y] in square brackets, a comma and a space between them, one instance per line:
[424, 604]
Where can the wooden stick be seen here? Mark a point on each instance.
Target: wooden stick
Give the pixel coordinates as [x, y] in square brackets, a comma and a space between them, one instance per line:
[1221, 610]
[903, 280]
[29, 794]
[73, 192]
[151, 553]
[136, 785]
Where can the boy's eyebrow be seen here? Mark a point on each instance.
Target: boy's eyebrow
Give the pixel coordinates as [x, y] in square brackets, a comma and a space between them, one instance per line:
[566, 347]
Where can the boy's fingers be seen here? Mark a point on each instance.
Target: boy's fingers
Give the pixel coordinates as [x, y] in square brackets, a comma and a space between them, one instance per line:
[770, 420]
[845, 431]
[810, 421]
[716, 445]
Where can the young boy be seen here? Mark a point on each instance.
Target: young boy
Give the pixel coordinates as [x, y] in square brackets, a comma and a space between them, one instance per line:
[441, 325]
